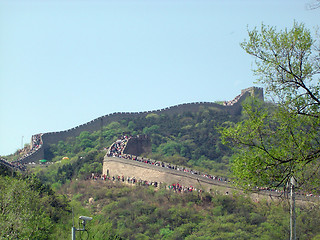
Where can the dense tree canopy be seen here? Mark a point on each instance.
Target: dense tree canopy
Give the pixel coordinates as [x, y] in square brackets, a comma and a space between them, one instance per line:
[280, 140]
[288, 64]
[28, 209]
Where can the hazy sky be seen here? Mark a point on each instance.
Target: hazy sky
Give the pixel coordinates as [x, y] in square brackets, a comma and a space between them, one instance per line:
[64, 63]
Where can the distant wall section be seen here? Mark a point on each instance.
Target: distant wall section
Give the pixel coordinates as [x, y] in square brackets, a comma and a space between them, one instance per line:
[255, 92]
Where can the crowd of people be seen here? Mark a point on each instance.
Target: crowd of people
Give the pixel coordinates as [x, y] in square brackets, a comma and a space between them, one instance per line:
[117, 150]
[127, 179]
[16, 165]
[36, 144]
[175, 187]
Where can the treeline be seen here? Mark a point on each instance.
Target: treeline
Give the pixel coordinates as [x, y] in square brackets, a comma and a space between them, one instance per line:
[28, 208]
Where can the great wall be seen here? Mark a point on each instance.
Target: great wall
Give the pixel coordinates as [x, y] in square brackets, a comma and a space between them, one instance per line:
[40, 143]
[115, 165]
[121, 162]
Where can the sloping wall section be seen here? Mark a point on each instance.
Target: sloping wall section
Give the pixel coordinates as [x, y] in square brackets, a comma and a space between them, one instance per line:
[114, 166]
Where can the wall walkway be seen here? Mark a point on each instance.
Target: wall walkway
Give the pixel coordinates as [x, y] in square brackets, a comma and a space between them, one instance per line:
[115, 166]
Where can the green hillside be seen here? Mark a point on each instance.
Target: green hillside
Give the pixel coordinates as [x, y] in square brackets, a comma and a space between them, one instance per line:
[123, 211]
[188, 139]
[126, 211]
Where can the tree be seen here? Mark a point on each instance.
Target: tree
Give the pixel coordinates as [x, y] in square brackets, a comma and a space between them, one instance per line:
[22, 214]
[280, 140]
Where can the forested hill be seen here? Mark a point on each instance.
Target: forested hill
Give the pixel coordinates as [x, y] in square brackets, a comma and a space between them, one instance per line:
[188, 138]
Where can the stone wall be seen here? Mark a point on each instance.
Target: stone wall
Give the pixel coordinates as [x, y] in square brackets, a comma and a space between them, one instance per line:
[115, 166]
[128, 168]
[254, 91]
[98, 123]
[138, 145]
[35, 156]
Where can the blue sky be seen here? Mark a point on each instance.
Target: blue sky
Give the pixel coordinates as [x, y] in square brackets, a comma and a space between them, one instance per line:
[64, 63]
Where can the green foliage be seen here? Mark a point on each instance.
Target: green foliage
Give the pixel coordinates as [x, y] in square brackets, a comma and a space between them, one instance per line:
[287, 65]
[154, 129]
[170, 148]
[6, 171]
[152, 115]
[81, 166]
[28, 209]
[275, 143]
[275, 146]
[188, 135]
